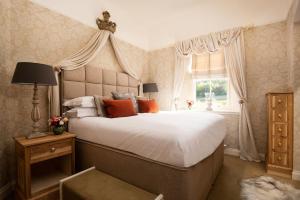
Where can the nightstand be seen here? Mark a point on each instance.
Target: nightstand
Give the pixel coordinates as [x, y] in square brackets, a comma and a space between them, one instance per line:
[41, 163]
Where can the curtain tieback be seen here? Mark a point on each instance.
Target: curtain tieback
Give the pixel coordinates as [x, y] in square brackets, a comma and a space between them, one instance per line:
[242, 100]
[57, 68]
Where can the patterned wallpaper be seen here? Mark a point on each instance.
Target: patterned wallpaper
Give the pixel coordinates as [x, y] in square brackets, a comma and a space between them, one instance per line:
[161, 70]
[267, 70]
[30, 32]
[296, 71]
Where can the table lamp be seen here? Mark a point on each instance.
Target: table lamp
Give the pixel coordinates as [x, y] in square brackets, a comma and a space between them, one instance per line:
[149, 88]
[28, 73]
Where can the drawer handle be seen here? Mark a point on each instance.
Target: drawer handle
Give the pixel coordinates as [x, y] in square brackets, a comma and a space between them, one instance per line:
[279, 101]
[279, 158]
[280, 129]
[279, 115]
[53, 149]
[279, 144]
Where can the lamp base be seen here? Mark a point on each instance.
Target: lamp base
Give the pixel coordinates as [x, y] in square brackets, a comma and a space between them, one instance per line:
[37, 135]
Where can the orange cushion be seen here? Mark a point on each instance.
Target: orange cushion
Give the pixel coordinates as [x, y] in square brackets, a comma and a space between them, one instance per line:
[148, 106]
[119, 108]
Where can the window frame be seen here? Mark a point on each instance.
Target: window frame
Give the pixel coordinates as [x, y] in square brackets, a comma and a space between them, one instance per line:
[232, 98]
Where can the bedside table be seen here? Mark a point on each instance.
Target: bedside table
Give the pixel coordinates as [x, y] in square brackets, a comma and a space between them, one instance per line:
[41, 163]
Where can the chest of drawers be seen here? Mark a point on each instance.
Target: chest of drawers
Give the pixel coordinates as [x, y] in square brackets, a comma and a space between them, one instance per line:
[280, 134]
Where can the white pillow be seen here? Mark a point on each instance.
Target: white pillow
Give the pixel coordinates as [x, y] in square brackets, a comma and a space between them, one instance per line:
[85, 102]
[79, 112]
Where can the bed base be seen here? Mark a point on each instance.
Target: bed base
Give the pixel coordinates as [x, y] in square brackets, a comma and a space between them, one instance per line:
[175, 183]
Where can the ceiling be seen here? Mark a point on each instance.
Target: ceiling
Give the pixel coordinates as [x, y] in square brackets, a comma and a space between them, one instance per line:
[154, 24]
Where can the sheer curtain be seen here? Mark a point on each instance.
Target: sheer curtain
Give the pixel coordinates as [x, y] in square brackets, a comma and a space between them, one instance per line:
[232, 43]
[82, 58]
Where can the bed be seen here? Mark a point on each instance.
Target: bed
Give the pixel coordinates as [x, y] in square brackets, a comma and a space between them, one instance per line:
[176, 154]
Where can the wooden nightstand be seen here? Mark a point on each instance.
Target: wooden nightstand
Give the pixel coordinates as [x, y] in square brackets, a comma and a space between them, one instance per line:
[41, 163]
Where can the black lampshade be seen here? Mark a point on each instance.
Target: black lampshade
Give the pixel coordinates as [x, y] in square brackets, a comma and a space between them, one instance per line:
[150, 87]
[30, 73]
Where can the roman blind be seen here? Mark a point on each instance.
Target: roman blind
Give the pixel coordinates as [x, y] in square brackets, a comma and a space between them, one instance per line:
[208, 65]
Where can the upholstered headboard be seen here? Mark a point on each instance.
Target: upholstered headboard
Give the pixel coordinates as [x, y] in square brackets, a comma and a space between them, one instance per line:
[89, 81]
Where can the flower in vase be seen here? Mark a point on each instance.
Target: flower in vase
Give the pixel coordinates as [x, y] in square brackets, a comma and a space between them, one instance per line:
[190, 104]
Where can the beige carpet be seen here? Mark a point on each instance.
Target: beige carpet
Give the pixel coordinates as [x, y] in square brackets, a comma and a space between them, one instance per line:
[227, 185]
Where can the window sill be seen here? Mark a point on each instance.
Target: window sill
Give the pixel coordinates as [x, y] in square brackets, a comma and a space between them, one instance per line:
[225, 112]
[216, 111]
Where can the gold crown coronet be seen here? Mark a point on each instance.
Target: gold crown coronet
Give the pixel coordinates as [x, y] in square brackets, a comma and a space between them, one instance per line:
[105, 24]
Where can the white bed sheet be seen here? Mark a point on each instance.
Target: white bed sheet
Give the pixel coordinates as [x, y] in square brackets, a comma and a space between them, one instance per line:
[177, 138]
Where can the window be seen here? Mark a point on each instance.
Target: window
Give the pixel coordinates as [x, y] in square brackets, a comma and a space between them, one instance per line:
[212, 87]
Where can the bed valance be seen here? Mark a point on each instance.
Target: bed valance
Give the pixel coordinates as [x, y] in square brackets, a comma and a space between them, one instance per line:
[85, 55]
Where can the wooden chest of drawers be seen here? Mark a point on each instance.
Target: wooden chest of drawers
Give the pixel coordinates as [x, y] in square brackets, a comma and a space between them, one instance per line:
[280, 134]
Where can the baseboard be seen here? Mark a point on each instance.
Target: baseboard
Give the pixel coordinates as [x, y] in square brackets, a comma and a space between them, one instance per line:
[236, 152]
[6, 190]
[232, 152]
[296, 175]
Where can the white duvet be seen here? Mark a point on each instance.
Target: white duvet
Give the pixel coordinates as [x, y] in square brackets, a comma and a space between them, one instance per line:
[181, 139]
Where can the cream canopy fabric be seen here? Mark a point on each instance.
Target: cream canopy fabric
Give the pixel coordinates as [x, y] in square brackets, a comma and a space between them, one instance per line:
[232, 43]
[82, 58]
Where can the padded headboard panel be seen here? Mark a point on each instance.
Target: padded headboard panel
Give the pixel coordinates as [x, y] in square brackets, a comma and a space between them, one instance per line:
[89, 81]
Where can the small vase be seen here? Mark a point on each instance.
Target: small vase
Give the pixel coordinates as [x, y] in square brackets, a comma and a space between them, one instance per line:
[58, 130]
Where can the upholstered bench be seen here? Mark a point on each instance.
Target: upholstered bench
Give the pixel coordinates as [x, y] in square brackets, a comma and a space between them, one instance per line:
[92, 184]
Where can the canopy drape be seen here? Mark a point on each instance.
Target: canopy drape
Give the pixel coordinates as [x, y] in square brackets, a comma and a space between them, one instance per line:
[82, 58]
[232, 43]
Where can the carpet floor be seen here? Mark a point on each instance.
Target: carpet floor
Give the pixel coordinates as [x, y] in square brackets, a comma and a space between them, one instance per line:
[227, 185]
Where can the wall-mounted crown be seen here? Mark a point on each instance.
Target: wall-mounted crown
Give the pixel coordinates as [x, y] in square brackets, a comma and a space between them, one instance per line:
[105, 24]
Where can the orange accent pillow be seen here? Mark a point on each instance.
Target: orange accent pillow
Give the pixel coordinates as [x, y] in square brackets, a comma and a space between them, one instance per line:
[118, 108]
[148, 106]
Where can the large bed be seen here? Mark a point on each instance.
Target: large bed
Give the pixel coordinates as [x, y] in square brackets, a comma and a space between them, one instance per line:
[177, 154]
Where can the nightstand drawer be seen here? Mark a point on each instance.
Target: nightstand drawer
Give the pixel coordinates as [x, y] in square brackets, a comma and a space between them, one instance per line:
[279, 101]
[280, 129]
[50, 150]
[279, 115]
[280, 159]
[279, 144]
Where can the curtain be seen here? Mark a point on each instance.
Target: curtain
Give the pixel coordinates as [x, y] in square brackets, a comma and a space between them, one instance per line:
[235, 65]
[232, 43]
[182, 63]
[82, 58]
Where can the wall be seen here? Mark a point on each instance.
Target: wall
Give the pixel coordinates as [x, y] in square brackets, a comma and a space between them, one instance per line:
[267, 71]
[294, 64]
[32, 33]
[266, 59]
[161, 70]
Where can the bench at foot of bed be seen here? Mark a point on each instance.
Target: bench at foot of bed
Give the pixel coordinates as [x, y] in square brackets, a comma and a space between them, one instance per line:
[92, 184]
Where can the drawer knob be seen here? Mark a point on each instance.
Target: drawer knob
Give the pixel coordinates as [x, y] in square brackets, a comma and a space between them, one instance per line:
[52, 149]
[279, 158]
[279, 144]
[280, 129]
[279, 115]
[279, 101]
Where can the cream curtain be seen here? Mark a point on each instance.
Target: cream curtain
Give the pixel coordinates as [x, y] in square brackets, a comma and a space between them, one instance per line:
[182, 64]
[235, 65]
[232, 43]
[82, 58]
